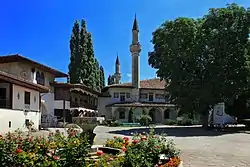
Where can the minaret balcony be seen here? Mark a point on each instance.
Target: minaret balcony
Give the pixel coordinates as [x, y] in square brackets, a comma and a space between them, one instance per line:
[135, 48]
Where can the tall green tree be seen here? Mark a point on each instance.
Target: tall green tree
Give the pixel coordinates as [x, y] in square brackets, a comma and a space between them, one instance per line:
[111, 80]
[74, 65]
[102, 77]
[204, 60]
[97, 75]
[90, 78]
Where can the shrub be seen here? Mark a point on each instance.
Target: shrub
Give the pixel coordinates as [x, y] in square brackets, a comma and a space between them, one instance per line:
[141, 151]
[186, 122]
[170, 122]
[115, 123]
[145, 150]
[145, 120]
[17, 150]
[117, 142]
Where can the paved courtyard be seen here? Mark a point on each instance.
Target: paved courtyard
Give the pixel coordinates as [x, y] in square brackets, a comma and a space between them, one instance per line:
[199, 148]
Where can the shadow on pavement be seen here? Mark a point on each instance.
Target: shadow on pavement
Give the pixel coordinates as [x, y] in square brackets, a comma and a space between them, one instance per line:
[183, 131]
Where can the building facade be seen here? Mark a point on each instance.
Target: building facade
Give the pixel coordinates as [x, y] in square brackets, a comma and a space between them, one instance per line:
[74, 100]
[36, 74]
[142, 96]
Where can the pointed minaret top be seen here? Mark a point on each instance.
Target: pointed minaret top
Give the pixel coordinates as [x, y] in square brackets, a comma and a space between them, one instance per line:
[135, 25]
[117, 60]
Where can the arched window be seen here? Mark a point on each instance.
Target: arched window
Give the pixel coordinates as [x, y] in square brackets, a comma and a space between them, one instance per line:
[38, 77]
[42, 79]
[166, 114]
[121, 113]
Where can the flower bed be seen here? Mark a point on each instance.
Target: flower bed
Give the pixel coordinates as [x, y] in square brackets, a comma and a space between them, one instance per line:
[142, 151]
[56, 150]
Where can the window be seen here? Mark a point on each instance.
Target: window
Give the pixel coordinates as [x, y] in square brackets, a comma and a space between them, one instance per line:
[42, 79]
[127, 95]
[38, 77]
[159, 96]
[116, 95]
[166, 114]
[122, 96]
[151, 97]
[26, 97]
[121, 115]
[143, 96]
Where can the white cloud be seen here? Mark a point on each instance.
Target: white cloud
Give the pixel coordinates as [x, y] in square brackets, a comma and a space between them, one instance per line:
[129, 75]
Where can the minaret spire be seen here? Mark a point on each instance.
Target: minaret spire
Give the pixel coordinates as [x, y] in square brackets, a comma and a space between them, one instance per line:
[117, 70]
[135, 25]
[135, 49]
[117, 60]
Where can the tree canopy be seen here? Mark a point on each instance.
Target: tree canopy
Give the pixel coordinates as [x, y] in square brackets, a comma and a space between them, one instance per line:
[204, 60]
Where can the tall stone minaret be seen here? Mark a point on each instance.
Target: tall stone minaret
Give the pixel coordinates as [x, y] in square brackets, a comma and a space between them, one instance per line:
[135, 49]
[117, 71]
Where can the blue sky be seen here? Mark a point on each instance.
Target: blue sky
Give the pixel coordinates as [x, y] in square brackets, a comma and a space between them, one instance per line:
[41, 29]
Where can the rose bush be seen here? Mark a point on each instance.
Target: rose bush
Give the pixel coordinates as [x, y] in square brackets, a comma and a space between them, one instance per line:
[117, 142]
[141, 151]
[56, 150]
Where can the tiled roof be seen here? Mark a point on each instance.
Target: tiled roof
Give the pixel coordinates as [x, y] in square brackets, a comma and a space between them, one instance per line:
[140, 104]
[19, 58]
[22, 82]
[154, 83]
[81, 87]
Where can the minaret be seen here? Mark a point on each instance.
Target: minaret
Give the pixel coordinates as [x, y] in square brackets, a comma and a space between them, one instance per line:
[117, 70]
[135, 49]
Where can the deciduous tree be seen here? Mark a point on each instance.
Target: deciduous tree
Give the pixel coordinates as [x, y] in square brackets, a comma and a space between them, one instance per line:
[203, 60]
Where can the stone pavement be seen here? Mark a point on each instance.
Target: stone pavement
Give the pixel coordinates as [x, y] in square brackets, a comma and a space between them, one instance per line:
[199, 148]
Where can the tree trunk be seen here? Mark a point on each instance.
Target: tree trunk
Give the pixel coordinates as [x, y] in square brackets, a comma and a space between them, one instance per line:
[205, 120]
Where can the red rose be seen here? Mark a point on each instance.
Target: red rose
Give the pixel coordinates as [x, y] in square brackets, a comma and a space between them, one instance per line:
[18, 150]
[100, 152]
[134, 141]
[20, 138]
[124, 149]
[56, 157]
[126, 138]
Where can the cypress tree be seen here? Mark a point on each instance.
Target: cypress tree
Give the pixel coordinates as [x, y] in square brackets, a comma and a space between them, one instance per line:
[97, 75]
[74, 70]
[84, 65]
[91, 65]
[130, 116]
[102, 77]
[111, 79]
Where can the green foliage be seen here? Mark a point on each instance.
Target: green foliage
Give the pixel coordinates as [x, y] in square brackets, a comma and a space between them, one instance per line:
[196, 58]
[111, 80]
[145, 150]
[145, 120]
[130, 116]
[115, 123]
[240, 106]
[97, 76]
[84, 67]
[102, 77]
[75, 54]
[170, 122]
[55, 150]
